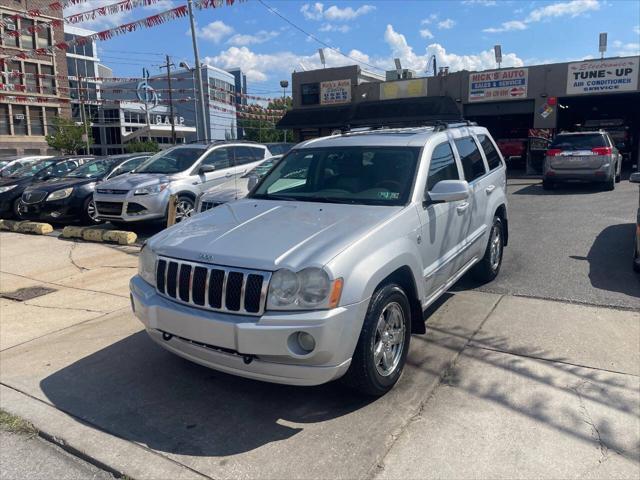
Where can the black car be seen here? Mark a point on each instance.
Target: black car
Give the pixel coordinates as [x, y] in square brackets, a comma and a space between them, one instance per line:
[11, 188]
[70, 197]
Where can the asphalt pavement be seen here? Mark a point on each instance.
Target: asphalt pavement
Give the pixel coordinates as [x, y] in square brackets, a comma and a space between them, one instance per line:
[574, 243]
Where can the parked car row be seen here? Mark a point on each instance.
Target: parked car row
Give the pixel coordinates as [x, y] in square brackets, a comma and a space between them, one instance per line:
[94, 189]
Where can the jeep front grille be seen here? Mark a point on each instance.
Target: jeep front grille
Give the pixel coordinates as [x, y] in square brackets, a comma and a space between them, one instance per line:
[213, 287]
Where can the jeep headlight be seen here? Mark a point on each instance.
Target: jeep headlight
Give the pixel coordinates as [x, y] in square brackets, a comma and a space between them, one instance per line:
[59, 194]
[151, 189]
[147, 265]
[308, 289]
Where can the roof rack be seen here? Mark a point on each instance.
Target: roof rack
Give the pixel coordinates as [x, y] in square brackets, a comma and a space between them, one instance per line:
[440, 125]
[437, 126]
[215, 142]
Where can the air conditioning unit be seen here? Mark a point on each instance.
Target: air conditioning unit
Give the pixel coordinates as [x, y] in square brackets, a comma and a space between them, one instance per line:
[402, 74]
[19, 116]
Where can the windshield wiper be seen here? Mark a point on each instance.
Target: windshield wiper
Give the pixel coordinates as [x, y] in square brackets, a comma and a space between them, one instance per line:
[273, 197]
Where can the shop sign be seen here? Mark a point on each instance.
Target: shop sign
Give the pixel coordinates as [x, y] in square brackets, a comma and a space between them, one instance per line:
[403, 89]
[602, 76]
[335, 91]
[508, 84]
[166, 120]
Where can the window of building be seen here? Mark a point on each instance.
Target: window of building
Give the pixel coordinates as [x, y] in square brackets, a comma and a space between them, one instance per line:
[15, 74]
[443, 166]
[31, 77]
[44, 35]
[19, 120]
[493, 157]
[68, 38]
[471, 159]
[27, 37]
[88, 49]
[48, 81]
[82, 67]
[36, 120]
[310, 94]
[10, 40]
[4, 119]
[72, 69]
[50, 113]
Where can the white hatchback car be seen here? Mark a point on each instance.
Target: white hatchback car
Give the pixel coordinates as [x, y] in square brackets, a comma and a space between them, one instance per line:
[325, 269]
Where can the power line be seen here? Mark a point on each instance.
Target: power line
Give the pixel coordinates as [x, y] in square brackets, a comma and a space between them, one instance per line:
[275, 12]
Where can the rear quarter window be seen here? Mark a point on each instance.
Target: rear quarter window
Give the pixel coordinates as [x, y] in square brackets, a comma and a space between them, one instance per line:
[472, 162]
[493, 157]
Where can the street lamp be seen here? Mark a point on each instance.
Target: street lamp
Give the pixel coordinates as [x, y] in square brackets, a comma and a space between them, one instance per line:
[284, 84]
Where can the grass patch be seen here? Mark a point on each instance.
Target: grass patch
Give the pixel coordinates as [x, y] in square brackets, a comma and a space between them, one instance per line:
[11, 423]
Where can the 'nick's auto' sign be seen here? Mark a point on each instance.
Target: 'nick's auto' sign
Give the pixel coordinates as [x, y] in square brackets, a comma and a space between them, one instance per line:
[602, 76]
[507, 84]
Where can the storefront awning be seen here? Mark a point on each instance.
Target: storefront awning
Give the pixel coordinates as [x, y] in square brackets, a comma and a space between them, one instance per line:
[401, 112]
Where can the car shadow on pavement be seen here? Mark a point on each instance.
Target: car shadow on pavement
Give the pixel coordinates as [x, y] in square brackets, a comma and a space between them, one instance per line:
[140, 392]
[577, 188]
[610, 264]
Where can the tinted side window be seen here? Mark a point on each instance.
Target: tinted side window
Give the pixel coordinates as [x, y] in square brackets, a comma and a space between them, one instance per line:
[244, 155]
[443, 166]
[493, 157]
[258, 153]
[472, 162]
[220, 158]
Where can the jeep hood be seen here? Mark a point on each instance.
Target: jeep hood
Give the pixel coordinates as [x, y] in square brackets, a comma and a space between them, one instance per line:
[268, 235]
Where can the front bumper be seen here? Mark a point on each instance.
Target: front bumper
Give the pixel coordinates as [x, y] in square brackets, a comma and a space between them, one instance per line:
[67, 209]
[223, 342]
[154, 207]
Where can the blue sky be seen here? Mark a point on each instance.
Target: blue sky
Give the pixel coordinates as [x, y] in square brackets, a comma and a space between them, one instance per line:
[460, 33]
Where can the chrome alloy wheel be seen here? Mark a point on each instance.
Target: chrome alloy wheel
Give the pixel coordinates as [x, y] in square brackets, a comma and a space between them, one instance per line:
[92, 213]
[495, 247]
[388, 344]
[184, 209]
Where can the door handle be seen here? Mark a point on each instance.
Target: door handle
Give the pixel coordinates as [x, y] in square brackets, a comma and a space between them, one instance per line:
[490, 189]
[462, 207]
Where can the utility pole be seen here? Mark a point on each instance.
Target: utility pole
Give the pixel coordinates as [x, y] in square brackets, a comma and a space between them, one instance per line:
[168, 66]
[83, 114]
[198, 69]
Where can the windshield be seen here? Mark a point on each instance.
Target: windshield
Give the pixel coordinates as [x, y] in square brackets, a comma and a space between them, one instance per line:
[14, 167]
[262, 169]
[174, 160]
[579, 142]
[31, 169]
[94, 169]
[362, 175]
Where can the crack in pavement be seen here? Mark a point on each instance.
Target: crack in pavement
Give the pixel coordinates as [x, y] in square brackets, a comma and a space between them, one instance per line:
[67, 308]
[73, 262]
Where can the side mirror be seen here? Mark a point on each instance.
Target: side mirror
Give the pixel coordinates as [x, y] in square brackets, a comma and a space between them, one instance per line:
[253, 181]
[635, 177]
[206, 169]
[448, 191]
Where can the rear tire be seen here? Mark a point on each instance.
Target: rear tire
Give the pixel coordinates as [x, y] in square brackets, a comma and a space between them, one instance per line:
[610, 184]
[619, 174]
[488, 268]
[548, 184]
[381, 352]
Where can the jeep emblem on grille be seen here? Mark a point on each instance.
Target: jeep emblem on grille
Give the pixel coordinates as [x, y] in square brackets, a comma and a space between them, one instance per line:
[206, 256]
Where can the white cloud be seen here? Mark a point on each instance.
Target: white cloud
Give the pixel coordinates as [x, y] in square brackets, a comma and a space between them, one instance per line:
[429, 19]
[330, 27]
[561, 9]
[446, 24]
[636, 29]
[215, 31]
[626, 49]
[426, 33]
[334, 13]
[259, 37]
[484, 3]
[507, 27]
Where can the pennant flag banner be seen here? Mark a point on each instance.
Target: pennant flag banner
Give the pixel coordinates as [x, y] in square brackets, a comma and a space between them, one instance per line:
[148, 22]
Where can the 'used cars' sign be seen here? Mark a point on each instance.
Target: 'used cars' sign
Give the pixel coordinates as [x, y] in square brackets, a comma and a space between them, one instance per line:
[335, 91]
[508, 84]
[601, 76]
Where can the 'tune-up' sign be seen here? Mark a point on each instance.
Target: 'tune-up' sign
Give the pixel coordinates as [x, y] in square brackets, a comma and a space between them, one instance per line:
[602, 76]
[507, 84]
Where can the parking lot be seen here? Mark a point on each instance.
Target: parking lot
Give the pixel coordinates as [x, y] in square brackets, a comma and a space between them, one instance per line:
[534, 375]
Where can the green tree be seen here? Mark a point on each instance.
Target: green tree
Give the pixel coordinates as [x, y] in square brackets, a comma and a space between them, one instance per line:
[67, 136]
[263, 130]
[148, 146]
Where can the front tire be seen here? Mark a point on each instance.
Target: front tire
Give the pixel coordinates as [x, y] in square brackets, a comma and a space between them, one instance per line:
[16, 209]
[89, 212]
[488, 268]
[381, 352]
[184, 208]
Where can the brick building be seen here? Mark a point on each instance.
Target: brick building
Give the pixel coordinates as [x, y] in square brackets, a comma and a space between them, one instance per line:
[32, 90]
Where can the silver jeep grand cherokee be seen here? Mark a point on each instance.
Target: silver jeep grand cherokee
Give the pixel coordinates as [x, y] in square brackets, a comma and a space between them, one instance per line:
[325, 269]
[185, 170]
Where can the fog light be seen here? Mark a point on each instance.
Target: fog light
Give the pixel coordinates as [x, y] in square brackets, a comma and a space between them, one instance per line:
[56, 214]
[306, 341]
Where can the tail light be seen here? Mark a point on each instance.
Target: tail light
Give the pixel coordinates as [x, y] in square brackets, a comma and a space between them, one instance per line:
[602, 150]
[552, 152]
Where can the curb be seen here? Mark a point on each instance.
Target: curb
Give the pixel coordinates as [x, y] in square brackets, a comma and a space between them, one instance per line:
[25, 226]
[90, 234]
[98, 447]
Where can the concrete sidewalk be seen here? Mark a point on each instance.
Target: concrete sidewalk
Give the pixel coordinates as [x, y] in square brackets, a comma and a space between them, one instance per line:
[531, 388]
